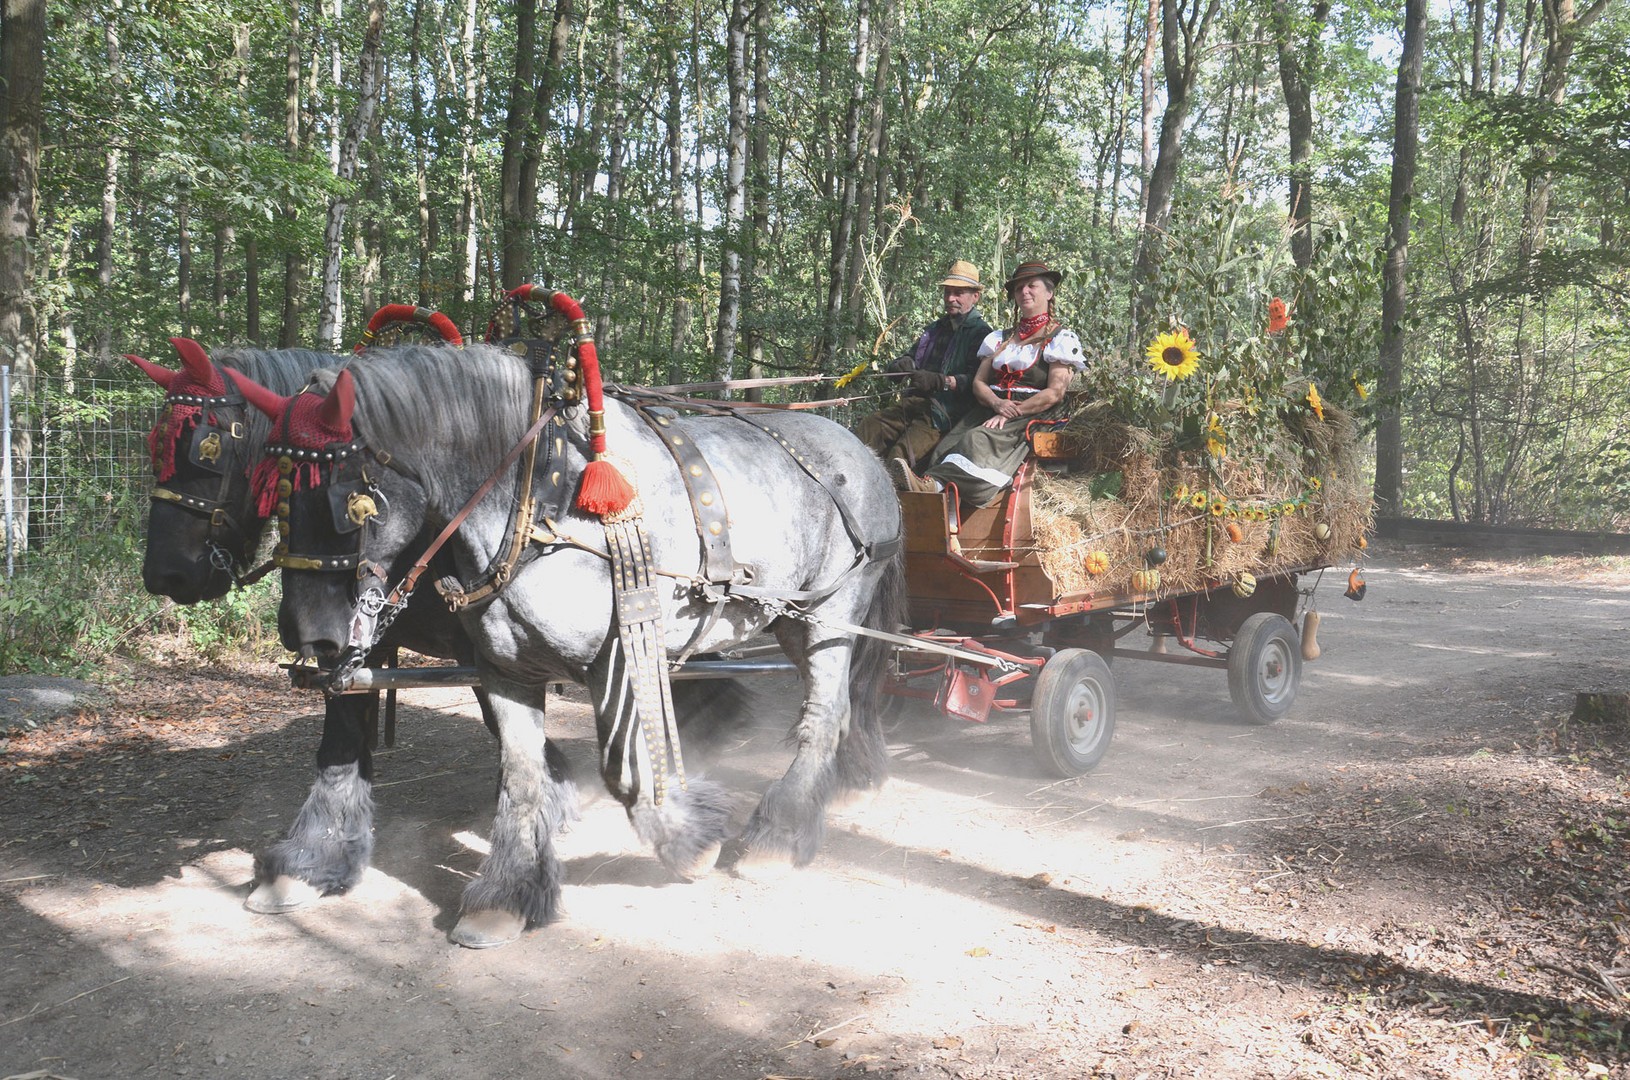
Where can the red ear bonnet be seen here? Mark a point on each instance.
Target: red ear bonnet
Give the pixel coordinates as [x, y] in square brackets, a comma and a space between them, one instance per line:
[335, 413]
[304, 422]
[267, 401]
[196, 363]
[161, 375]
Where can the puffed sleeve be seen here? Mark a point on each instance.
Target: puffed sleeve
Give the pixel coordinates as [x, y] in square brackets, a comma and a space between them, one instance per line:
[992, 342]
[1065, 348]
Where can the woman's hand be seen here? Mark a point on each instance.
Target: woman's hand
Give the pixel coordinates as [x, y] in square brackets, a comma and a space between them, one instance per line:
[995, 423]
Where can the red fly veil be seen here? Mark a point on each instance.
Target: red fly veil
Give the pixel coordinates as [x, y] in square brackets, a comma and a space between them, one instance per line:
[196, 379]
[306, 421]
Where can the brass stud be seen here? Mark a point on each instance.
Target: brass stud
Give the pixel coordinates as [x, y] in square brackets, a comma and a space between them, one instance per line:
[706, 498]
[715, 527]
[696, 470]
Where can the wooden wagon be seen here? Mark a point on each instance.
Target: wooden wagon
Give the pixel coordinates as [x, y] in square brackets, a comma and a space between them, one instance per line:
[995, 635]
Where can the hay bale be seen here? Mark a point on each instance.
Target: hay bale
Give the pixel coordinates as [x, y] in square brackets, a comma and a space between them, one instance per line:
[1276, 495]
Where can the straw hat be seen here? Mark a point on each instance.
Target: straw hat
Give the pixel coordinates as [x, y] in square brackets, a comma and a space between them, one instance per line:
[962, 275]
[1029, 270]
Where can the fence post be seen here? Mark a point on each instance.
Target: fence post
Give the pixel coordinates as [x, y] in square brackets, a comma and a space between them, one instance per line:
[5, 449]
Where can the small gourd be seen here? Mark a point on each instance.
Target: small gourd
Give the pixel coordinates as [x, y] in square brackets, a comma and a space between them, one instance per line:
[1244, 585]
[1146, 581]
[1234, 533]
[1155, 556]
[1361, 543]
[1097, 562]
[1321, 531]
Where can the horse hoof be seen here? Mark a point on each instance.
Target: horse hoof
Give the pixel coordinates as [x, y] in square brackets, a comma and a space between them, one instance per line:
[282, 893]
[485, 929]
[764, 865]
[701, 866]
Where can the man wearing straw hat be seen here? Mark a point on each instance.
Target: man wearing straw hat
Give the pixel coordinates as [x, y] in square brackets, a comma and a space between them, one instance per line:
[939, 370]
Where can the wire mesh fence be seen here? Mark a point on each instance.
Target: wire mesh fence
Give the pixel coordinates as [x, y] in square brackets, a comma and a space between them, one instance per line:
[78, 460]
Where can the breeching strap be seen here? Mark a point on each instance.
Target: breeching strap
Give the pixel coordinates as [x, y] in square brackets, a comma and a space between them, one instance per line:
[405, 587]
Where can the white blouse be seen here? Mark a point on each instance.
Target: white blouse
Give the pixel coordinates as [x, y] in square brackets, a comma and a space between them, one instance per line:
[1062, 348]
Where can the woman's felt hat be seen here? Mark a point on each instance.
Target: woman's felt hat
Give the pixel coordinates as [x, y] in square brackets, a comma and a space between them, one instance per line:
[1029, 270]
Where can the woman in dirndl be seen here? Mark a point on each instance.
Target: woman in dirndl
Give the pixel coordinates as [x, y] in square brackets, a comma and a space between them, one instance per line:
[1019, 388]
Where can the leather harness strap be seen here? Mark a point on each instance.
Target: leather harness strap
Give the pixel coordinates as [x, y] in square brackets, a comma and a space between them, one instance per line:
[645, 670]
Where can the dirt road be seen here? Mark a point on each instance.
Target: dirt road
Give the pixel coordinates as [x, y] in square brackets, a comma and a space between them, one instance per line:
[1420, 872]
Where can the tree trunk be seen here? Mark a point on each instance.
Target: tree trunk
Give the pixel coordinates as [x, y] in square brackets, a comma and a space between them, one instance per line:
[1297, 70]
[868, 178]
[183, 273]
[1146, 76]
[1389, 476]
[22, 79]
[289, 335]
[735, 203]
[513, 226]
[467, 268]
[421, 175]
[362, 122]
[839, 273]
[676, 205]
[614, 172]
[1183, 31]
[517, 271]
[110, 217]
[760, 184]
[1562, 27]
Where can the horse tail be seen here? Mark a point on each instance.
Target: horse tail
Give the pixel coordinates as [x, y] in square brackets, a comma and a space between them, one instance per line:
[862, 759]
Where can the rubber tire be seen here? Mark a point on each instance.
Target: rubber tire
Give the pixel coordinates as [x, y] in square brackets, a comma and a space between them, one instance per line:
[1264, 667]
[1072, 682]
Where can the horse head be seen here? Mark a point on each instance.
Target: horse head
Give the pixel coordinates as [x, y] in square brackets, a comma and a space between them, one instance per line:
[197, 532]
[345, 519]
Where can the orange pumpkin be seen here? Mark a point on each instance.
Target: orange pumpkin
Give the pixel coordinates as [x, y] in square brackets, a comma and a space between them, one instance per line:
[1234, 533]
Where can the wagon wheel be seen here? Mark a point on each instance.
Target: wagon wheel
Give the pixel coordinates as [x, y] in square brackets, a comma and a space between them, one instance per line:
[1264, 667]
[1072, 712]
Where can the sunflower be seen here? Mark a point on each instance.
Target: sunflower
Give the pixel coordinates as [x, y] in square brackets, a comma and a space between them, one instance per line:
[1181, 493]
[1219, 506]
[1198, 499]
[1174, 355]
[1315, 483]
[1216, 439]
[1278, 315]
[1315, 401]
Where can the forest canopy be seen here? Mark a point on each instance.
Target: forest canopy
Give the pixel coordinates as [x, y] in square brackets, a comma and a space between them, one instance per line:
[742, 188]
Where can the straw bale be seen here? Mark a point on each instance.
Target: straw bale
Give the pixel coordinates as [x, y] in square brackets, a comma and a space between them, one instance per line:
[1308, 462]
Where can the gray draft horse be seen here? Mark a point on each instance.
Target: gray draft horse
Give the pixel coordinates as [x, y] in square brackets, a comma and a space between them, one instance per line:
[429, 434]
[202, 532]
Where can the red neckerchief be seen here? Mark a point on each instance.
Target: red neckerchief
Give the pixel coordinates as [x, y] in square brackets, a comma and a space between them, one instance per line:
[1034, 327]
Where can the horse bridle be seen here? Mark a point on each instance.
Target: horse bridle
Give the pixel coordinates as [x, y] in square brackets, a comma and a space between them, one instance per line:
[209, 451]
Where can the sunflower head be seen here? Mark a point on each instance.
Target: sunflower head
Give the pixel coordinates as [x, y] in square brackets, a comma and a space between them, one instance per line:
[1314, 482]
[1219, 506]
[1173, 354]
[1198, 499]
[1181, 493]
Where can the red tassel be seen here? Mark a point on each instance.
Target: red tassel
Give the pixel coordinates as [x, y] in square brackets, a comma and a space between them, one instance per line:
[605, 490]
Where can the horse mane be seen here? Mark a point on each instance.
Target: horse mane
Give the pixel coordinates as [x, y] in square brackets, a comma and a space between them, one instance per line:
[283, 370]
[287, 371]
[432, 408]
